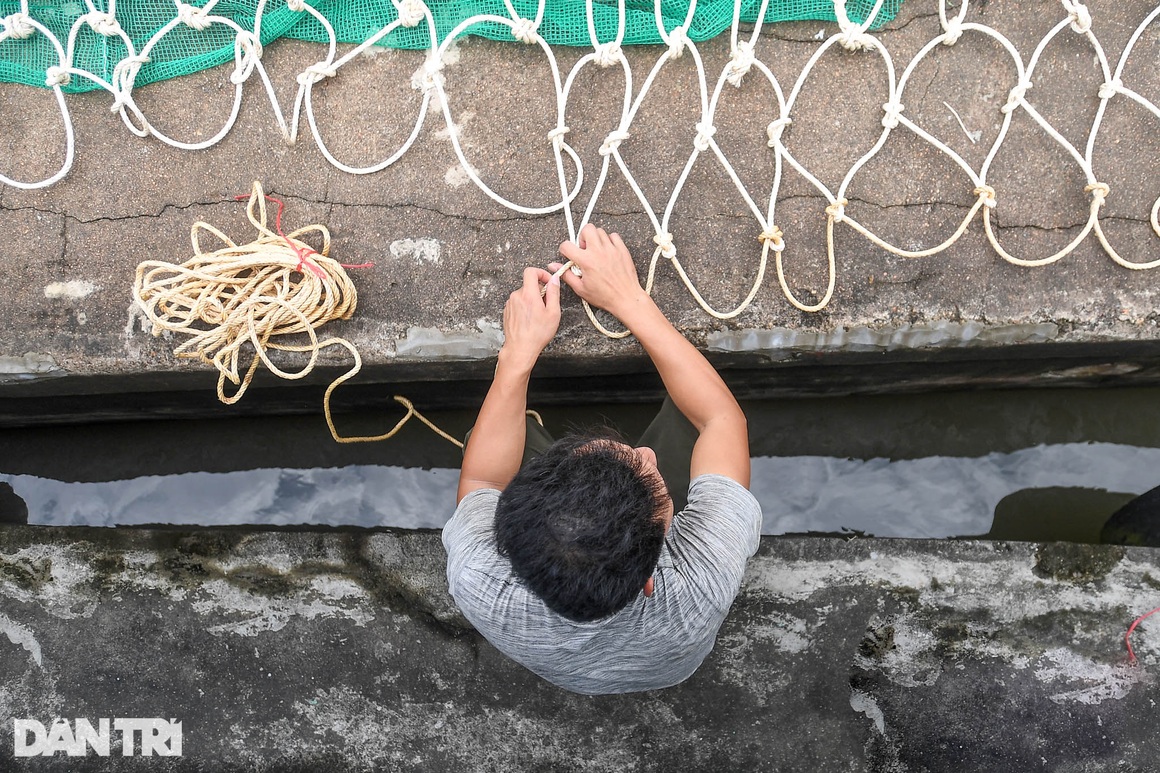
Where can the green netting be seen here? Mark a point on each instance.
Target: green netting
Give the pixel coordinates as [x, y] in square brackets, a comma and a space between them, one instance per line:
[184, 50]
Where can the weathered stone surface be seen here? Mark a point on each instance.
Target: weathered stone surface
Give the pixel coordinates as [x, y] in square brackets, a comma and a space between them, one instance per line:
[342, 650]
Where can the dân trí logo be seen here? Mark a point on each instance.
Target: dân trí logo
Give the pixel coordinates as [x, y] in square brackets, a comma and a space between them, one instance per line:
[146, 737]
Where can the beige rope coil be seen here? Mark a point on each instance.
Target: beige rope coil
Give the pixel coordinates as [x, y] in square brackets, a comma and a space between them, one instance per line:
[256, 293]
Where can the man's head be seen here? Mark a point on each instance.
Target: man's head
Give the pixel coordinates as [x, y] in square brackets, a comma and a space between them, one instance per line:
[583, 524]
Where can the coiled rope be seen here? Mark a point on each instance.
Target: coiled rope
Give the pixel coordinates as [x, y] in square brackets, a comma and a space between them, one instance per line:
[259, 293]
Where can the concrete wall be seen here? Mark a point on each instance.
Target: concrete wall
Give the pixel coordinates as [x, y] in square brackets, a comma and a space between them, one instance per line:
[342, 650]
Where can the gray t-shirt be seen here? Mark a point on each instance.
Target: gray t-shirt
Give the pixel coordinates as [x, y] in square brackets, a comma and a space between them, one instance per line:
[653, 642]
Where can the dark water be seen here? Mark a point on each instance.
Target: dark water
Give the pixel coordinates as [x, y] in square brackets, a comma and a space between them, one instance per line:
[1021, 464]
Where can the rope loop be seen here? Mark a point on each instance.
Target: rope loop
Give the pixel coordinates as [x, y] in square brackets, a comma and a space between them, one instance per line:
[1081, 17]
[893, 110]
[741, 59]
[524, 30]
[678, 41]
[1015, 98]
[412, 12]
[773, 237]
[16, 26]
[316, 72]
[987, 194]
[104, 23]
[664, 240]
[608, 54]
[705, 132]
[837, 210]
[612, 141]
[775, 128]
[56, 76]
[1099, 192]
[1109, 89]
[193, 16]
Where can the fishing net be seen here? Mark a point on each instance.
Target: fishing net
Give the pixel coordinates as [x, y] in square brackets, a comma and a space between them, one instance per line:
[96, 46]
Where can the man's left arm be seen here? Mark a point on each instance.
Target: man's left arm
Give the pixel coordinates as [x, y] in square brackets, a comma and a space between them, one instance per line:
[496, 447]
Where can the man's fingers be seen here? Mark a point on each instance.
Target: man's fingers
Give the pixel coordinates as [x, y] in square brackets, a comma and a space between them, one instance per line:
[534, 277]
[618, 242]
[552, 295]
[571, 251]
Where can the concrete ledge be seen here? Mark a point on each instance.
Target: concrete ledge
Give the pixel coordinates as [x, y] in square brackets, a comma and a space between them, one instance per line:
[341, 650]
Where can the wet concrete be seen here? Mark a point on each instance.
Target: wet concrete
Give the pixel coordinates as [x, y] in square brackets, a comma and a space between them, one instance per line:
[342, 650]
[446, 256]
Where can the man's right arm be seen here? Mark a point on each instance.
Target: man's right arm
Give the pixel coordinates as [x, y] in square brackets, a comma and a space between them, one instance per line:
[609, 281]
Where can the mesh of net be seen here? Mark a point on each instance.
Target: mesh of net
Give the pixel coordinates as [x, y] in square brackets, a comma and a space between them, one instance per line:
[184, 50]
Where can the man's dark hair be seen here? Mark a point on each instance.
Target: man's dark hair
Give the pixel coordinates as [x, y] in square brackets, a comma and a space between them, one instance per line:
[583, 524]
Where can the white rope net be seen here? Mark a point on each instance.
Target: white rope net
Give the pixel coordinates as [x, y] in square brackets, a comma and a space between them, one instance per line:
[743, 67]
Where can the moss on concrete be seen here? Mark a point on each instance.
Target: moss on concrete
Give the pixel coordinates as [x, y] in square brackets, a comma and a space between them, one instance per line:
[1068, 562]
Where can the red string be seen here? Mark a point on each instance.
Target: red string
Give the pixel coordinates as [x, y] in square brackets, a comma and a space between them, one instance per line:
[1128, 635]
[302, 253]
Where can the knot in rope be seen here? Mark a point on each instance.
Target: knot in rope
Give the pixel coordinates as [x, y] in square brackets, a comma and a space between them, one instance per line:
[524, 30]
[1015, 98]
[837, 210]
[193, 16]
[774, 130]
[316, 72]
[740, 61]
[411, 12]
[664, 240]
[557, 135]
[893, 110]
[1099, 192]
[104, 23]
[853, 38]
[612, 141]
[952, 31]
[16, 25]
[56, 76]
[249, 43]
[678, 40]
[432, 77]
[705, 132]
[1081, 17]
[1109, 89]
[987, 194]
[608, 54]
[772, 236]
[124, 75]
[296, 5]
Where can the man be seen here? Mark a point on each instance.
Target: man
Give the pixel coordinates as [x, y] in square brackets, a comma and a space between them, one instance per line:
[575, 562]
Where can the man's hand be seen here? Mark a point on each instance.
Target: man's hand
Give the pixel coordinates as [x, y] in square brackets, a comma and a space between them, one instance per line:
[530, 320]
[609, 279]
[493, 454]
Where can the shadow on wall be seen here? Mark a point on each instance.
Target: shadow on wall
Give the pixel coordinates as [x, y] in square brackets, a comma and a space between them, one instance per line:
[1073, 514]
[12, 508]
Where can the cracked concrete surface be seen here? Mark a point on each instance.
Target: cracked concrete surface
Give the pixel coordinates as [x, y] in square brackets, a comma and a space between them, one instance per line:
[311, 651]
[128, 199]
